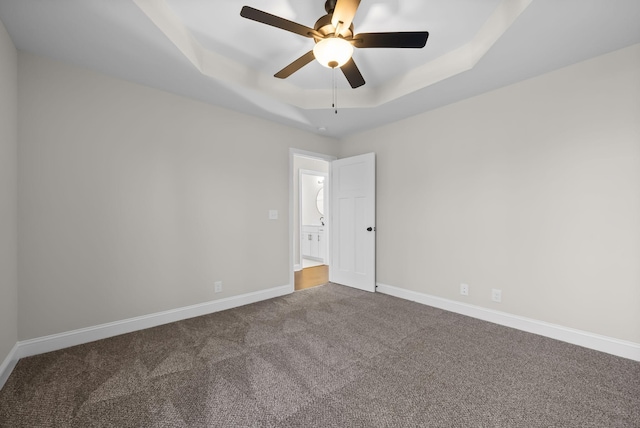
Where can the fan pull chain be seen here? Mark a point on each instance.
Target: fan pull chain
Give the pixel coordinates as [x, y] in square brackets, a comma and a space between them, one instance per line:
[334, 88]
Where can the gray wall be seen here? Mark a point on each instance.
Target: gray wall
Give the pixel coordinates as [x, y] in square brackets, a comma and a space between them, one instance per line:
[533, 189]
[8, 194]
[134, 201]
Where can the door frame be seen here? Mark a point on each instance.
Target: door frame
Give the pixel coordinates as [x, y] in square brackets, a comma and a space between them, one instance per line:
[292, 176]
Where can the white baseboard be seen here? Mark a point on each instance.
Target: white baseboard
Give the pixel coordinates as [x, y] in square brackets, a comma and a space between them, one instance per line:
[54, 342]
[8, 365]
[585, 339]
[40, 345]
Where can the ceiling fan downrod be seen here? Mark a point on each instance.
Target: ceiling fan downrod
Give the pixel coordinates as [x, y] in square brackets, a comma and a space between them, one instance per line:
[330, 6]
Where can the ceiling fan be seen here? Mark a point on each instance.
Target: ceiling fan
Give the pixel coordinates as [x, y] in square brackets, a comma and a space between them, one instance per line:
[335, 39]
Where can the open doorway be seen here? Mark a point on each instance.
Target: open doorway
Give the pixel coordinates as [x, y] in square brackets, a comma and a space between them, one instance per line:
[349, 200]
[314, 228]
[310, 201]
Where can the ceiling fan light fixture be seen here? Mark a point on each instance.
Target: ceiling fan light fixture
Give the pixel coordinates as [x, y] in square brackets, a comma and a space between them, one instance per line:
[334, 36]
[333, 52]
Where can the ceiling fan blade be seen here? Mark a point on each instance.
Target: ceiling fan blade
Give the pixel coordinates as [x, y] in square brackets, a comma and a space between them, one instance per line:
[343, 14]
[295, 65]
[409, 39]
[352, 74]
[275, 21]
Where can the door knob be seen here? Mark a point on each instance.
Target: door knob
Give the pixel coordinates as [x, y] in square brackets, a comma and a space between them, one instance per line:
[369, 229]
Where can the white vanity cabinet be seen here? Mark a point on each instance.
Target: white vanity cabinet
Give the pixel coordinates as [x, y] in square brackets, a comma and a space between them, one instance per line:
[313, 242]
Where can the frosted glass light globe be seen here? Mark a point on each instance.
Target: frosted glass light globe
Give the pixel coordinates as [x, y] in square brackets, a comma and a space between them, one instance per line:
[333, 52]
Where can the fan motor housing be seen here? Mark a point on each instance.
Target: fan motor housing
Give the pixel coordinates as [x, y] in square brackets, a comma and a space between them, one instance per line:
[326, 28]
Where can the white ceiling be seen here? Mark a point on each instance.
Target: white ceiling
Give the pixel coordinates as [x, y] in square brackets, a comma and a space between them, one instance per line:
[205, 50]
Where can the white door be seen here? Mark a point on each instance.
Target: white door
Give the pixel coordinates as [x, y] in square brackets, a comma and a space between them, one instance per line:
[353, 238]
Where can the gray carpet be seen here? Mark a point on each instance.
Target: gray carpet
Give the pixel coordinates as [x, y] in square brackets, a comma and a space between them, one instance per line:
[329, 356]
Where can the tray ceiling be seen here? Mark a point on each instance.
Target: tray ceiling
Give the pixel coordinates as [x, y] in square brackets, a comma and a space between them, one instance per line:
[205, 50]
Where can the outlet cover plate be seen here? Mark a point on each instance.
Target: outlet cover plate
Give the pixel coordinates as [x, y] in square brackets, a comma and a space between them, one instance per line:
[464, 289]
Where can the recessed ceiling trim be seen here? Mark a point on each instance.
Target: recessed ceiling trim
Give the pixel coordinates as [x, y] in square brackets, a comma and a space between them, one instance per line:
[459, 60]
[160, 14]
[246, 81]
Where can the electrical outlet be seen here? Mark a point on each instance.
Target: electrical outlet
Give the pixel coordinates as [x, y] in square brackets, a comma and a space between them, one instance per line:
[217, 287]
[273, 214]
[496, 295]
[464, 289]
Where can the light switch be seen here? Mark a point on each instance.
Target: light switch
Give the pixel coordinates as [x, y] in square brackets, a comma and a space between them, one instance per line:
[273, 214]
